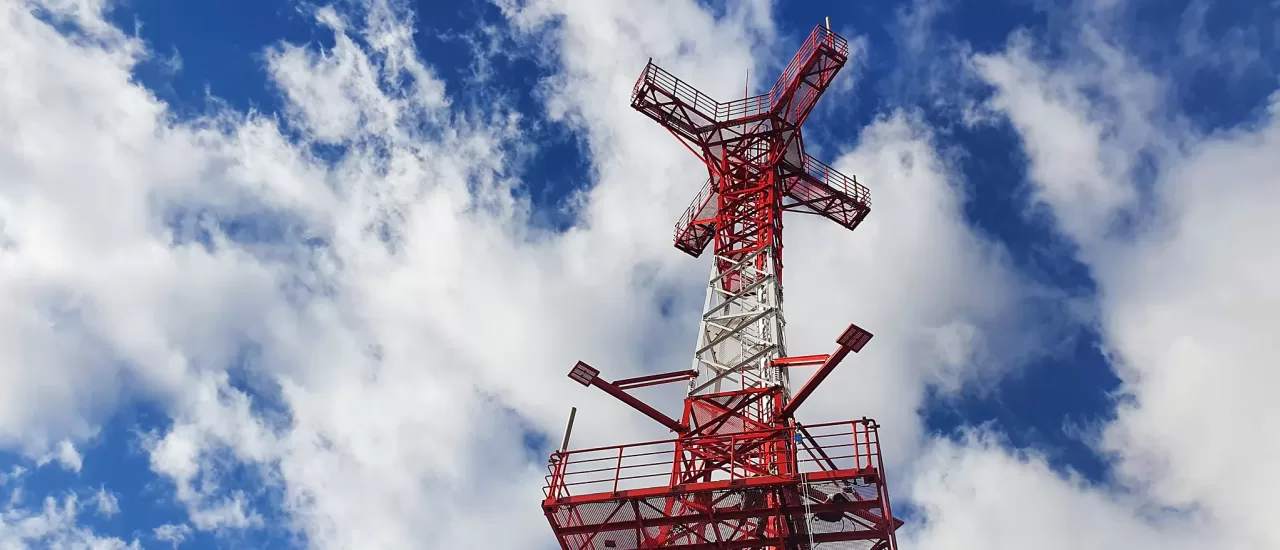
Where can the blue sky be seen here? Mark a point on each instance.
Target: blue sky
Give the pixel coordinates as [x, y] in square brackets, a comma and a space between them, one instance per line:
[284, 317]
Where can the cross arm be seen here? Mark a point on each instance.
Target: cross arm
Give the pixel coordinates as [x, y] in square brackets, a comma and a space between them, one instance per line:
[683, 110]
[816, 188]
[655, 379]
[808, 75]
[851, 340]
[587, 375]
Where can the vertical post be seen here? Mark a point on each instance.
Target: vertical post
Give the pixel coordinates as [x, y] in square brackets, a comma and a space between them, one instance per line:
[564, 445]
[884, 493]
[866, 442]
[733, 451]
[618, 471]
[792, 447]
[828, 22]
[560, 487]
[857, 446]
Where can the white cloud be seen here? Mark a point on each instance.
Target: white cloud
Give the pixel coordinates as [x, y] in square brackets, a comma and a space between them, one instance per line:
[68, 457]
[1186, 302]
[53, 527]
[897, 275]
[107, 503]
[1078, 172]
[15, 473]
[1190, 313]
[65, 454]
[1236, 51]
[172, 533]
[978, 494]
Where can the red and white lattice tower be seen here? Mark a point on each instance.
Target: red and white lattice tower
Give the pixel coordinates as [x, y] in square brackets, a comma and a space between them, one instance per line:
[741, 472]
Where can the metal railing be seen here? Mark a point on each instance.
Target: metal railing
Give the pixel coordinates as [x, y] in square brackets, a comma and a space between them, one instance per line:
[739, 108]
[844, 184]
[819, 37]
[676, 88]
[702, 103]
[744, 108]
[694, 211]
[848, 445]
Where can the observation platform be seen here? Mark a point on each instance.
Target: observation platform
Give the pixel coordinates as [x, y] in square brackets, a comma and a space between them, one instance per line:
[764, 129]
[628, 496]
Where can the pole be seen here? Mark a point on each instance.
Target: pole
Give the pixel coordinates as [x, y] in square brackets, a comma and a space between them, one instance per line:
[564, 446]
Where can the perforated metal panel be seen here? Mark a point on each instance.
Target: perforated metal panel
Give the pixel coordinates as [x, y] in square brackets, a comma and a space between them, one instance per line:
[732, 518]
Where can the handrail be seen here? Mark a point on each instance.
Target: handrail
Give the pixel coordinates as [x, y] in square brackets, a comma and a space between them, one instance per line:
[848, 445]
[762, 104]
[848, 185]
[819, 36]
[694, 210]
[676, 88]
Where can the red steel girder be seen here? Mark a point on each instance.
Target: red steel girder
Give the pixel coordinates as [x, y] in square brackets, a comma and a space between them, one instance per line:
[755, 139]
[851, 340]
[589, 376]
[654, 379]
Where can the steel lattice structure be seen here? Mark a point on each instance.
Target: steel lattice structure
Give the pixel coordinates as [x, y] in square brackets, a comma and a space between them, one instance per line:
[735, 476]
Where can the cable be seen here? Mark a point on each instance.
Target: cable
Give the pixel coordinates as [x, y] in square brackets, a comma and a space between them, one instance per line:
[808, 511]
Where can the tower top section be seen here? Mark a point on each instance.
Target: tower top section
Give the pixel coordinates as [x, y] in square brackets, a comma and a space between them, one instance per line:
[757, 169]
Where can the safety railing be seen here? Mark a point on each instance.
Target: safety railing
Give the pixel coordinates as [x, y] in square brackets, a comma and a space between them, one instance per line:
[739, 108]
[679, 89]
[743, 108]
[702, 103]
[820, 37]
[848, 185]
[849, 445]
[697, 210]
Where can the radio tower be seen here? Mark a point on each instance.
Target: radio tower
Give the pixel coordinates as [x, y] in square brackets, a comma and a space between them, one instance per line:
[741, 472]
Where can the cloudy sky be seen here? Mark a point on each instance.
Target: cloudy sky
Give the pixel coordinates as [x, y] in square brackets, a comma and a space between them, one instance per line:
[310, 274]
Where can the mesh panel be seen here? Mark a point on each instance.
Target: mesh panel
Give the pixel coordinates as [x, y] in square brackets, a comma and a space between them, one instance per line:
[690, 524]
[707, 408]
[702, 413]
[820, 524]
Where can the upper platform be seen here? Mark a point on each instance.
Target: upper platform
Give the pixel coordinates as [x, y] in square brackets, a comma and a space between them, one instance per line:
[658, 93]
[762, 132]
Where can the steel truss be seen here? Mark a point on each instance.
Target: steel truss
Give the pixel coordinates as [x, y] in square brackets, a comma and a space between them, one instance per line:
[734, 477]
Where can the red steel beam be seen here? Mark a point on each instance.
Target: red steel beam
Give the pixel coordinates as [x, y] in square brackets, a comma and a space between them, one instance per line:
[800, 360]
[655, 379]
[763, 542]
[720, 515]
[590, 376]
[852, 339]
[724, 484]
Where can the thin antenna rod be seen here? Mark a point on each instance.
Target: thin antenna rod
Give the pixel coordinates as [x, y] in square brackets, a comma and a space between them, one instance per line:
[564, 446]
[746, 83]
[828, 22]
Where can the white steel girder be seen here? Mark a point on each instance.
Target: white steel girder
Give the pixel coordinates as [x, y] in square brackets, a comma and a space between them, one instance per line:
[741, 332]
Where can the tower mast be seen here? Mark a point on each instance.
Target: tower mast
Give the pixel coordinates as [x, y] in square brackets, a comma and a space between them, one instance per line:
[741, 472]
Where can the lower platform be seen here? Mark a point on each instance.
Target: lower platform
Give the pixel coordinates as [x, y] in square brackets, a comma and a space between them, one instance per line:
[836, 500]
